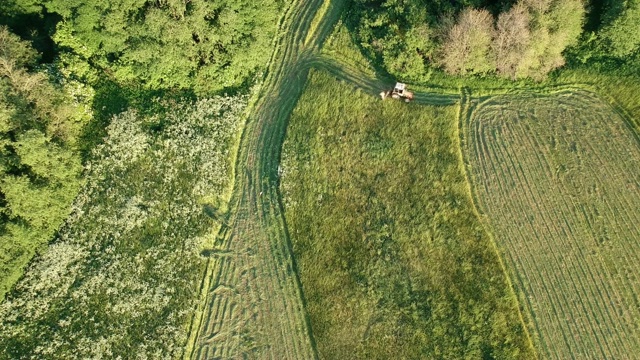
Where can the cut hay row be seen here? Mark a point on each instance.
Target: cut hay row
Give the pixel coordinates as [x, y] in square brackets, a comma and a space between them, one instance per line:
[542, 165]
[557, 178]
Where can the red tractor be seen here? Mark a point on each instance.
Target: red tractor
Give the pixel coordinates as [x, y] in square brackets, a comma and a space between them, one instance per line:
[399, 92]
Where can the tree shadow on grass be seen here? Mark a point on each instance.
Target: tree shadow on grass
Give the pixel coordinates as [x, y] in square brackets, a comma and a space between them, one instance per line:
[112, 98]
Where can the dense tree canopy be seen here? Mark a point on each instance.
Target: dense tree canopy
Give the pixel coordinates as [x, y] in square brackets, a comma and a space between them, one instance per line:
[39, 166]
[206, 45]
[397, 33]
[467, 46]
[622, 34]
[526, 39]
[512, 39]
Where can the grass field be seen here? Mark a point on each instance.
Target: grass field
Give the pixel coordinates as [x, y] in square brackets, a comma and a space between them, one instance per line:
[557, 177]
[393, 261]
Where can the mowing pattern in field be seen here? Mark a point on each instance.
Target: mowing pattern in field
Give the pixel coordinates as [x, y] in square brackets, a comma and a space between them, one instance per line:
[558, 177]
[252, 304]
[392, 258]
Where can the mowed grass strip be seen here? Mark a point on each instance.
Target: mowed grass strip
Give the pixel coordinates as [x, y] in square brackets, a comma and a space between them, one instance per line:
[557, 177]
[393, 262]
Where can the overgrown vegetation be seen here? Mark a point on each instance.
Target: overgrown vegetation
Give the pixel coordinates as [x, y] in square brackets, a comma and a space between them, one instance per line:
[620, 29]
[41, 118]
[413, 39]
[115, 104]
[392, 258]
[121, 278]
[527, 41]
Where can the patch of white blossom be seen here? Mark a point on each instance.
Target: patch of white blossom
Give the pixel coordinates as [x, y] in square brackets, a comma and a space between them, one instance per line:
[121, 279]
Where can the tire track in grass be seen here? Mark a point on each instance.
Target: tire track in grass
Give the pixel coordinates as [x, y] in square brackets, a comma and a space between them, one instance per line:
[505, 211]
[576, 284]
[616, 199]
[566, 206]
[270, 320]
[252, 304]
[557, 232]
[514, 185]
[467, 107]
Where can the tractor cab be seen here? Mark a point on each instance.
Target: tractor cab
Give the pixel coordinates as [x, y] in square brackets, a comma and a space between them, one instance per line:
[399, 92]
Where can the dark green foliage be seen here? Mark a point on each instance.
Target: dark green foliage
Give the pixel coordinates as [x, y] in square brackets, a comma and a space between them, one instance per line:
[29, 20]
[397, 34]
[39, 163]
[622, 32]
[393, 261]
[205, 45]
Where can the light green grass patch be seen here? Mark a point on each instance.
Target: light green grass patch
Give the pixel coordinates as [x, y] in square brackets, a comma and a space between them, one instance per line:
[557, 177]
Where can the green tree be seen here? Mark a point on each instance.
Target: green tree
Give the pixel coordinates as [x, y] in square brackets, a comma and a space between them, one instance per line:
[39, 165]
[397, 34]
[206, 45]
[13, 7]
[513, 38]
[556, 25]
[622, 34]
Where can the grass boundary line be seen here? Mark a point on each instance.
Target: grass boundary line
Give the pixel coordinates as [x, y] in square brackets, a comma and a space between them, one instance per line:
[618, 108]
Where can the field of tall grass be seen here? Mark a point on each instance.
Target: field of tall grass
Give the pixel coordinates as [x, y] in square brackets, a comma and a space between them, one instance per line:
[393, 261]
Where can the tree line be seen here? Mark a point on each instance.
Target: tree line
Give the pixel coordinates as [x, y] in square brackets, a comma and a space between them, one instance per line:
[523, 39]
[208, 46]
[40, 123]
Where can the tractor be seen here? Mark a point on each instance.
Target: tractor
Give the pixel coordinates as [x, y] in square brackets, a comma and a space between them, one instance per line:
[399, 92]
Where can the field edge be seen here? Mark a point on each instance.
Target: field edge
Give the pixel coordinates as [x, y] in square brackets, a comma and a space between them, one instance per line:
[464, 115]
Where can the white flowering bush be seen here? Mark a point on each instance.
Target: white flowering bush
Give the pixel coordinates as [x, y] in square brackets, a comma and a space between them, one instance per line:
[121, 279]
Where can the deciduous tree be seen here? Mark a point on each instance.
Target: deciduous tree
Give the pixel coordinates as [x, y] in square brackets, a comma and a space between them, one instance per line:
[39, 165]
[512, 40]
[209, 45]
[467, 45]
[623, 33]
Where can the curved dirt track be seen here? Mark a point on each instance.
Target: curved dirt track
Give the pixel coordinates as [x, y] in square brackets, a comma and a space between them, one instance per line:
[252, 304]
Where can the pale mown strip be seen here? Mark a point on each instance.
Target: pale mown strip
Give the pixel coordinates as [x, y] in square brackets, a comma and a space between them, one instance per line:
[557, 177]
